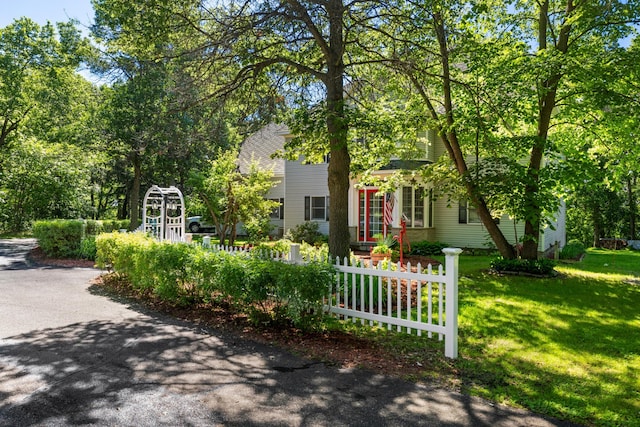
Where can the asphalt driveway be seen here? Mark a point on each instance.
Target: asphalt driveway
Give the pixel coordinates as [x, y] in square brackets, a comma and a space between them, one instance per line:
[69, 356]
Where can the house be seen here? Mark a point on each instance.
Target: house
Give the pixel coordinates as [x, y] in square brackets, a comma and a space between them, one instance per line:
[303, 194]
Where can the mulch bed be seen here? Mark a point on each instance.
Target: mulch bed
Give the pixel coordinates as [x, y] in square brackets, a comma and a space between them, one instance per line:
[37, 256]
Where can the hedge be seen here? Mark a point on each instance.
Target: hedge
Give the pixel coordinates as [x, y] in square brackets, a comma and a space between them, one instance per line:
[70, 238]
[59, 238]
[265, 290]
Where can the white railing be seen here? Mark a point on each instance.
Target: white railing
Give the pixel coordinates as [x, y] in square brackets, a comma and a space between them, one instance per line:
[397, 296]
[424, 301]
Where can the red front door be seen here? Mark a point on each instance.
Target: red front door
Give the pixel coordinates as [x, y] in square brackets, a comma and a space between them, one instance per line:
[370, 215]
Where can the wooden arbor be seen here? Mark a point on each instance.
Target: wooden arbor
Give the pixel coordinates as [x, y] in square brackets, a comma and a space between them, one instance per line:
[163, 213]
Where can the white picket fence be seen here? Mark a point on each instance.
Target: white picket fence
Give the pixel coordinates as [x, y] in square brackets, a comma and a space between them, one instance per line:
[420, 300]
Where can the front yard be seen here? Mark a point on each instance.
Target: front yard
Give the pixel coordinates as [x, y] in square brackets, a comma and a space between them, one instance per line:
[567, 347]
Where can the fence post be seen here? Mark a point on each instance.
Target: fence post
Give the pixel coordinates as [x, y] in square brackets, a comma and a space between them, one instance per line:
[451, 307]
[294, 254]
[206, 241]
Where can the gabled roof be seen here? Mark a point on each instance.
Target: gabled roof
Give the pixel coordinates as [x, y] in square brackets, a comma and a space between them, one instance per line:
[261, 146]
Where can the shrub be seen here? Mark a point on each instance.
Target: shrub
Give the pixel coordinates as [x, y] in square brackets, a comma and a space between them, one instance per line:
[264, 289]
[64, 238]
[573, 250]
[119, 252]
[59, 238]
[264, 250]
[426, 248]
[88, 248]
[94, 227]
[538, 267]
[307, 232]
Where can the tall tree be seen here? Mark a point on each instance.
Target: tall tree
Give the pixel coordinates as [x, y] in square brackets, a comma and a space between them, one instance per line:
[160, 129]
[297, 45]
[31, 60]
[496, 79]
[305, 46]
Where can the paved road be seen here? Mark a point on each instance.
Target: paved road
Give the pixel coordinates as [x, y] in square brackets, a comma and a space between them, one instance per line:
[69, 356]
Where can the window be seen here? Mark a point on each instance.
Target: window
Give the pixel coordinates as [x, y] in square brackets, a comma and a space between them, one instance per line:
[467, 213]
[413, 207]
[316, 208]
[278, 211]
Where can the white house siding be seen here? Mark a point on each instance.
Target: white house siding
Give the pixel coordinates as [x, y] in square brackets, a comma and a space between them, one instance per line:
[303, 180]
[557, 233]
[450, 231]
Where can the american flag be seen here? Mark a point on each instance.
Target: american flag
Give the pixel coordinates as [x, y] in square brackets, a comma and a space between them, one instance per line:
[389, 201]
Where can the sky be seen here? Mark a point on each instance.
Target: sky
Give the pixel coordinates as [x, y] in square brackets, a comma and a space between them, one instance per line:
[42, 11]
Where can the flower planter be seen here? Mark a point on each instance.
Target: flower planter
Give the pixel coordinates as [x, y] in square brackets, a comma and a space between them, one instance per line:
[376, 257]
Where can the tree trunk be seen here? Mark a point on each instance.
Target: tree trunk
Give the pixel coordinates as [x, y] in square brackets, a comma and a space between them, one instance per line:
[633, 211]
[452, 145]
[546, 103]
[134, 202]
[340, 161]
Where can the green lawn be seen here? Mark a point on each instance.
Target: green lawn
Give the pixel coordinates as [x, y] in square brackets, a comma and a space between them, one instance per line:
[568, 347]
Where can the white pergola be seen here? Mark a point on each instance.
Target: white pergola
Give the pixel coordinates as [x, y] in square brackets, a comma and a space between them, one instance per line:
[163, 213]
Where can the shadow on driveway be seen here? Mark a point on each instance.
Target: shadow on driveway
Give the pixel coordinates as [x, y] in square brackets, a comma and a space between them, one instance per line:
[157, 372]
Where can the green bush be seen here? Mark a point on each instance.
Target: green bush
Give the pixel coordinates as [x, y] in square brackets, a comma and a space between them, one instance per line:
[573, 250]
[88, 248]
[426, 248]
[59, 238]
[266, 290]
[308, 232]
[64, 238]
[539, 267]
[94, 227]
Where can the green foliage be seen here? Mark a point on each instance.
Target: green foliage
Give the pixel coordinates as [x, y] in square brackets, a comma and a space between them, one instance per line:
[314, 252]
[35, 61]
[308, 231]
[87, 248]
[258, 228]
[383, 244]
[542, 266]
[59, 238]
[232, 197]
[573, 250]
[95, 227]
[42, 181]
[427, 248]
[72, 238]
[265, 289]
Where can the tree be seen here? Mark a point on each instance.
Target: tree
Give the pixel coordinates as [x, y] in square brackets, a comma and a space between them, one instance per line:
[32, 58]
[42, 181]
[156, 119]
[299, 45]
[496, 79]
[231, 197]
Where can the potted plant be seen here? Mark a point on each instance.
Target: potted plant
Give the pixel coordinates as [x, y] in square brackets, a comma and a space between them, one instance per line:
[382, 249]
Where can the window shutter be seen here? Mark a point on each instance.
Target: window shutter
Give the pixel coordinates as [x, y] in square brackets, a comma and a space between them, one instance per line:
[326, 207]
[282, 208]
[462, 212]
[307, 208]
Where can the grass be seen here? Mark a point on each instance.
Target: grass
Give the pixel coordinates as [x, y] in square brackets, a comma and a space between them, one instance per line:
[568, 347]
